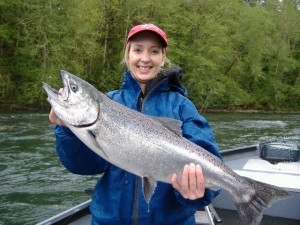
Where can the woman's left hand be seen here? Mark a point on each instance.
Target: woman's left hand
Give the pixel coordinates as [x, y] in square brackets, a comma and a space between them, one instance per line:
[192, 184]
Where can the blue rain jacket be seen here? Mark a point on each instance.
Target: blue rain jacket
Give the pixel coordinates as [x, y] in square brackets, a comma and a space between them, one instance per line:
[114, 194]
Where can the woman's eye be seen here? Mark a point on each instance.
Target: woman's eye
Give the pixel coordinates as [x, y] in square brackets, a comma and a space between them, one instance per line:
[137, 50]
[156, 50]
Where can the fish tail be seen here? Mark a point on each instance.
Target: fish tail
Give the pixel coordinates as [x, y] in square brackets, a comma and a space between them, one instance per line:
[251, 208]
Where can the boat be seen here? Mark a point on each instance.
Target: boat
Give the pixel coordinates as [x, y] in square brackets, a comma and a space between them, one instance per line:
[250, 161]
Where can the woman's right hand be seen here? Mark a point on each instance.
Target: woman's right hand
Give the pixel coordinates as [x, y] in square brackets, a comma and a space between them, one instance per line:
[54, 119]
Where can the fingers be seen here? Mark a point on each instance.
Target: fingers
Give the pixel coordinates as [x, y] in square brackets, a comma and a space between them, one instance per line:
[200, 181]
[192, 182]
[54, 119]
[174, 182]
[185, 186]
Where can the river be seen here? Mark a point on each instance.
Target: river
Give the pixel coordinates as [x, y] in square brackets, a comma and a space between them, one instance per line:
[35, 186]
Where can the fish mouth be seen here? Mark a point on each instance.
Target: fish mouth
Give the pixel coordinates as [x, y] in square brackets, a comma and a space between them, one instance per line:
[57, 96]
[51, 92]
[64, 93]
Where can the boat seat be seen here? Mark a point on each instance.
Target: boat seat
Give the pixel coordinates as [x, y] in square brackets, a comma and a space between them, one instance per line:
[208, 216]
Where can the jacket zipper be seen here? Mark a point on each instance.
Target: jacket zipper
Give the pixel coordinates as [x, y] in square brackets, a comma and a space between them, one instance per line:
[136, 188]
[143, 99]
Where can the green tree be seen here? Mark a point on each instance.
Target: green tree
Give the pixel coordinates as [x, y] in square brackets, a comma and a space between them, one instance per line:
[234, 54]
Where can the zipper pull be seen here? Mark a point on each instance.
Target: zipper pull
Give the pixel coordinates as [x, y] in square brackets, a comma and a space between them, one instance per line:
[141, 103]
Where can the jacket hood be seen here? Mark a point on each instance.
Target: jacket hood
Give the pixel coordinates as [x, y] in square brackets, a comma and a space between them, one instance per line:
[169, 79]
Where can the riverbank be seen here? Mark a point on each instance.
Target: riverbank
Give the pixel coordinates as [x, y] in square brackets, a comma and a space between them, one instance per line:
[251, 111]
[16, 108]
[13, 107]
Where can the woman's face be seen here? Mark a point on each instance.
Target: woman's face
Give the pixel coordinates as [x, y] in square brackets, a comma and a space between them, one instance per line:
[146, 57]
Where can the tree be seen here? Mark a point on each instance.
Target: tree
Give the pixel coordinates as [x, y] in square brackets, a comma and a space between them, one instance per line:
[234, 54]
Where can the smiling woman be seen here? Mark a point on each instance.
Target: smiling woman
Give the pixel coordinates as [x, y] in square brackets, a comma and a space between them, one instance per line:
[146, 57]
[154, 92]
[145, 52]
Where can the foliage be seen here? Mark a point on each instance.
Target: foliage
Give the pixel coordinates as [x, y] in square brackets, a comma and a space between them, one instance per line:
[234, 54]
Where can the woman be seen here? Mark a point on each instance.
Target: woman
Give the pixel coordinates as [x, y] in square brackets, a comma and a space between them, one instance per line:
[118, 197]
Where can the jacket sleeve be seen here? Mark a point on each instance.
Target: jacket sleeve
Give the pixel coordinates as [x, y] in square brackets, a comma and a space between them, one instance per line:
[75, 155]
[197, 130]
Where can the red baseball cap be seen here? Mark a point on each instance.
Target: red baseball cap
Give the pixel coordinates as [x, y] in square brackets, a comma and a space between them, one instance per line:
[148, 27]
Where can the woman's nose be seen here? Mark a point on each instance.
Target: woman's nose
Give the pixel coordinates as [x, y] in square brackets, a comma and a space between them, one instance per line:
[145, 57]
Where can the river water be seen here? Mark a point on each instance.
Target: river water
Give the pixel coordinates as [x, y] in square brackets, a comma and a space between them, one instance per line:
[34, 185]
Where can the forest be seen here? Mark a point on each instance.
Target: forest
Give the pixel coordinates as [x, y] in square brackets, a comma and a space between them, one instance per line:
[235, 54]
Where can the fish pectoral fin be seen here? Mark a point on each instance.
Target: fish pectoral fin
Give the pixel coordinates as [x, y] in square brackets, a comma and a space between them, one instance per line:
[95, 143]
[172, 124]
[149, 185]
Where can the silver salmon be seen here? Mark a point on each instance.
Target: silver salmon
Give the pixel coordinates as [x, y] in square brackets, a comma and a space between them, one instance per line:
[151, 147]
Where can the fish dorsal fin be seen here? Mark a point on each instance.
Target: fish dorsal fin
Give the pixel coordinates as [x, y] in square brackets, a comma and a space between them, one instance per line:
[172, 124]
[149, 185]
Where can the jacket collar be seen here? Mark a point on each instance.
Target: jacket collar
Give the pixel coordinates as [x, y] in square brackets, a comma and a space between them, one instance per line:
[129, 83]
[169, 79]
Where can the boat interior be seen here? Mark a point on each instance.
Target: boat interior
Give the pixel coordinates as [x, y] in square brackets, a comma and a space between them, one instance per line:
[246, 161]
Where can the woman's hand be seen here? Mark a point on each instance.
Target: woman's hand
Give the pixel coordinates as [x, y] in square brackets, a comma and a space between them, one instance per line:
[54, 119]
[192, 184]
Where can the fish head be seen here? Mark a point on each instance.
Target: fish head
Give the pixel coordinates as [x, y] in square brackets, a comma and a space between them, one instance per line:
[77, 103]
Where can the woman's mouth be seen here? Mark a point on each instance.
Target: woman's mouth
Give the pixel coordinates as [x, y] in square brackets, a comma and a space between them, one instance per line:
[144, 68]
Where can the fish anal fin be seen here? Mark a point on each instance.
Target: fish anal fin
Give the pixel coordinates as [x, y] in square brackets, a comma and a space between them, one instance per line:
[149, 186]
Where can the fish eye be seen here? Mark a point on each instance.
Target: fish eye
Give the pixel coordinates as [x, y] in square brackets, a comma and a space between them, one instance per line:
[73, 87]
